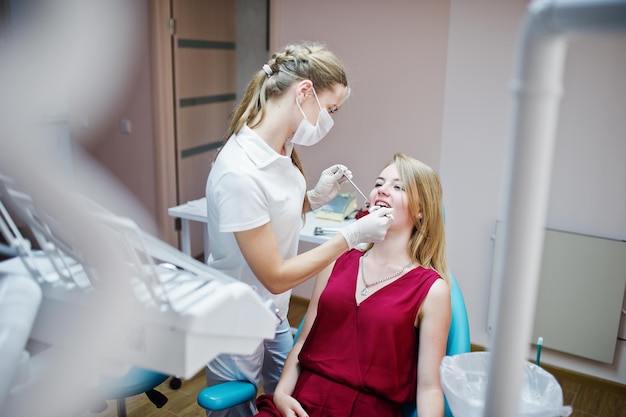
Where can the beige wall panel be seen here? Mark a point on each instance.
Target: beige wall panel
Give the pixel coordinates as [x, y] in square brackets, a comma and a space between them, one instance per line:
[205, 72]
[201, 125]
[208, 20]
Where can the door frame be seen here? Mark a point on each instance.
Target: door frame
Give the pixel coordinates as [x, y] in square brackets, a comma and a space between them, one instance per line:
[164, 121]
[163, 108]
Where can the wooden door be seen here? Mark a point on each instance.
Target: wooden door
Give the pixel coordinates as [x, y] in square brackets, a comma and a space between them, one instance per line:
[204, 95]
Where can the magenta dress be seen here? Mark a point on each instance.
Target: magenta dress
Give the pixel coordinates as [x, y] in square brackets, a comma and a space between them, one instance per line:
[360, 360]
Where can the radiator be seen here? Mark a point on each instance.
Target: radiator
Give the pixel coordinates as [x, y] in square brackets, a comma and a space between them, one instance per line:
[581, 293]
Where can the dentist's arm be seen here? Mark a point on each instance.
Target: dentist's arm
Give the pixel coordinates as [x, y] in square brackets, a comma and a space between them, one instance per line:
[260, 249]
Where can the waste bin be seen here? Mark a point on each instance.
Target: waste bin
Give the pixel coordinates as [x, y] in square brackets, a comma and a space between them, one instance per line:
[464, 381]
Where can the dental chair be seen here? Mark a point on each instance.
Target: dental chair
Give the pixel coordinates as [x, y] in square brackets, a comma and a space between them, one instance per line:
[229, 394]
[136, 381]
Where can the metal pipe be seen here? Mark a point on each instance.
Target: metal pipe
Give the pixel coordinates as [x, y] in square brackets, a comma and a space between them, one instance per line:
[537, 89]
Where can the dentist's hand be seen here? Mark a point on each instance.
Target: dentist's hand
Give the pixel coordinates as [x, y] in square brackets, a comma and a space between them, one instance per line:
[328, 185]
[368, 229]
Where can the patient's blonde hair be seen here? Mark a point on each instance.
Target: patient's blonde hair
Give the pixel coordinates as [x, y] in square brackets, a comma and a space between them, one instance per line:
[424, 194]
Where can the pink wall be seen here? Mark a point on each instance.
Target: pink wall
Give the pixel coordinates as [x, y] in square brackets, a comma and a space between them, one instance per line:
[129, 157]
[395, 54]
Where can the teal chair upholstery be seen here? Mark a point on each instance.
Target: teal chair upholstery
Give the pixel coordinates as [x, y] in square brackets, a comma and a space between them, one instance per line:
[229, 394]
[136, 381]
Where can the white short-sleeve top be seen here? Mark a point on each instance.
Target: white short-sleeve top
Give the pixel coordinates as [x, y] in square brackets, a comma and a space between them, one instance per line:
[248, 186]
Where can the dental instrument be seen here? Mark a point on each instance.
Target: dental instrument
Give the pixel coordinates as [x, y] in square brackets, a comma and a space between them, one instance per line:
[357, 188]
[324, 230]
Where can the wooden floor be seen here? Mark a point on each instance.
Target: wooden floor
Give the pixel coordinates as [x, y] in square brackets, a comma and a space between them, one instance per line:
[181, 402]
[589, 397]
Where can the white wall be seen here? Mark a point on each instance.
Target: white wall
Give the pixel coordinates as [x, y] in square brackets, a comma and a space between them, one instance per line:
[454, 112]
[588, 191]
[589, 179]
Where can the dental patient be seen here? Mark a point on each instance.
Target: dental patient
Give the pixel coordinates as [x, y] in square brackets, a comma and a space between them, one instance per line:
[376, 327]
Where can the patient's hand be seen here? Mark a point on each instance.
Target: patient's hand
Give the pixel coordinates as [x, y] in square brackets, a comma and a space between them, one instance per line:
[288, 406]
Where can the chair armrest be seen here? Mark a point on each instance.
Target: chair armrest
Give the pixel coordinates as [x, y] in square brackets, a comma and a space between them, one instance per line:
[226, 395]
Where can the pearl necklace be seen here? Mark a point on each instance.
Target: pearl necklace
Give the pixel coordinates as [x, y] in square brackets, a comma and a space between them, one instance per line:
[365, 290]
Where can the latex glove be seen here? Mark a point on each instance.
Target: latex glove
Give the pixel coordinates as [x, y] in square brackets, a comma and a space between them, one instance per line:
[328, 185]
[370, 228]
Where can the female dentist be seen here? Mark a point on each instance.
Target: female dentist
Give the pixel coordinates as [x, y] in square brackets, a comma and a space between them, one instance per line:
[256, 198]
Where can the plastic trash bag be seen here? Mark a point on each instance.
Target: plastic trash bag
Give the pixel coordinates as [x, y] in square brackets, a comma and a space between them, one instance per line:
[464, 381]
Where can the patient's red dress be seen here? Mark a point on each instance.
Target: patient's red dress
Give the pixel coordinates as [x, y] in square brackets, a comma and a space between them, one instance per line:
[360, 360]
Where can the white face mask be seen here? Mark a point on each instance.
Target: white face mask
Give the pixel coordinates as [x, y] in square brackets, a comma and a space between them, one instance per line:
[308, 134]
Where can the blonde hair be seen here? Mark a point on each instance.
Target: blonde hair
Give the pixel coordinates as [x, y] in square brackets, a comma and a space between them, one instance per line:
[427, 245]
[304, 61]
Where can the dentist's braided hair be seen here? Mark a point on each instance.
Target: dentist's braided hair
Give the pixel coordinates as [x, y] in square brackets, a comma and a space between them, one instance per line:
[305, 61]
[296, 62]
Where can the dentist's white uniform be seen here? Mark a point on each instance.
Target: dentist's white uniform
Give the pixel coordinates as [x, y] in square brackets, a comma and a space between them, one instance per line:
[250, 185]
